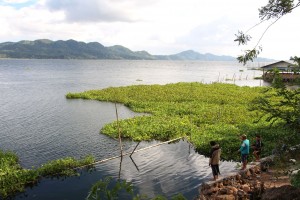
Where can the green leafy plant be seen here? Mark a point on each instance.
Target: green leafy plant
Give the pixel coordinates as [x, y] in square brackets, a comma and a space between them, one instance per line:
[295, 181]
[202, 112]
[14, 179]
[109, 189]
[106, 189]
[274, 10]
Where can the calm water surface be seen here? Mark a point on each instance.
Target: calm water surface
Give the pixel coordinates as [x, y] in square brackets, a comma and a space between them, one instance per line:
[40, 124]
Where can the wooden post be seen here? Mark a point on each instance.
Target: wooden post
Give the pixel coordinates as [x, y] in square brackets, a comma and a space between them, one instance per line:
[135, 148]
[120, 139]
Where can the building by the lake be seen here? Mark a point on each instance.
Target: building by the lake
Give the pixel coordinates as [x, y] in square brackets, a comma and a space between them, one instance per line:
[287, 70]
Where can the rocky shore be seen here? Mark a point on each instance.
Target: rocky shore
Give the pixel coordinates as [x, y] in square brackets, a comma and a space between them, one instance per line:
[256, 182]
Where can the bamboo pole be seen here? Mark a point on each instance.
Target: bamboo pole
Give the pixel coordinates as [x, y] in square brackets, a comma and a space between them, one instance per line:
[127, 153]
[118, 124]
[135, 148]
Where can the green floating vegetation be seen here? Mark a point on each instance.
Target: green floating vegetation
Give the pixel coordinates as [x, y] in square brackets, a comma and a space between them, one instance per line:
[14, 179]
[200, 112]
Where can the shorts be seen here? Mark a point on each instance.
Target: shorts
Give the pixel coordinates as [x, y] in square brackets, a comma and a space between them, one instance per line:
[244, 157]
[215, 170]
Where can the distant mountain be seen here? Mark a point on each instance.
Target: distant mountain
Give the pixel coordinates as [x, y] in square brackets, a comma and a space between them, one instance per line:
[71, 49]
[192, 55]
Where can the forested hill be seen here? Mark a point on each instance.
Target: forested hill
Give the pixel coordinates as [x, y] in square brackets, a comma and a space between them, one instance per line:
[71, 49]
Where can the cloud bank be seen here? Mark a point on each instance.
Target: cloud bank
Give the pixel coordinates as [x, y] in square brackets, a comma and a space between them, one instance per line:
[157, 26]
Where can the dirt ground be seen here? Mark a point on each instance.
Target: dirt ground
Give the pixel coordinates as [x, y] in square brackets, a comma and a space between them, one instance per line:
[278, 186]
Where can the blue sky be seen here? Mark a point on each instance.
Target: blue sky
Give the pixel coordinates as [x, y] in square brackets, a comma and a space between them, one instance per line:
[156, 26]
[18, 4]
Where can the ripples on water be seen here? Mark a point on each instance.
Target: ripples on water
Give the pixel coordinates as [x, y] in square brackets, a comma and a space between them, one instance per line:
[40, 124]
[168, 169]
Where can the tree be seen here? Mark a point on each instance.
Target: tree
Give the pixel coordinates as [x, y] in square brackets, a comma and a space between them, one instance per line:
[297, 61]
[274, 10]
[277, 80]
[279, 105]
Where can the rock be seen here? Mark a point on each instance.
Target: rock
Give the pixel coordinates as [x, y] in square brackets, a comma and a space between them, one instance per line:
[234, 190]
[251, 170]
[240, 193]
[248, 173]
[257, 169]
[294, 172]
[207, 192]
[246, 188]
[293, 161]
[205, 186]
[225, 197]
[202, 197]
[238, 177]
[230, 189]
[226, 182]
[223, 191]
[264, 167]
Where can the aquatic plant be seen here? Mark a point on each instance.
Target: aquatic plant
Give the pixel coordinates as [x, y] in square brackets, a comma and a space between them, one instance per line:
[14, 178]
[200, 112]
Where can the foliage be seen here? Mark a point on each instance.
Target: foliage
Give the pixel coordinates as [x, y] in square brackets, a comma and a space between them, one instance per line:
[279, 104]
[249, 55]
[111, 190]
[277, 80]
[295, 181]
[63, 167]
[70, 49]
[275, 9]
[105, 189]
[296, 60]
[13, 178]
[201, 112]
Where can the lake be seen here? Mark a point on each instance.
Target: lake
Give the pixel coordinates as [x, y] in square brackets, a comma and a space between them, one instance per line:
[39, 124]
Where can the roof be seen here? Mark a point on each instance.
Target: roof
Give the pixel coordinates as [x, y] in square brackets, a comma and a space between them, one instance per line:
[278, 62]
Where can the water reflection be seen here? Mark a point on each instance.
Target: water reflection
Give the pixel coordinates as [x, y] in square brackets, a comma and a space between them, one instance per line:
[40, 124]
[167, 169]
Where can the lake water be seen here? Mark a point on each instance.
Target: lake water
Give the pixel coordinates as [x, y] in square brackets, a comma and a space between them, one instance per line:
[40, 124]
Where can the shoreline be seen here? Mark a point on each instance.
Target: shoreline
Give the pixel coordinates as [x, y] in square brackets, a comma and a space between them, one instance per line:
[256, 182]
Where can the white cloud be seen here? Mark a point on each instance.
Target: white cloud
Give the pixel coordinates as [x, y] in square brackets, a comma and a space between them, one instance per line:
[157, 26]
[89, 11]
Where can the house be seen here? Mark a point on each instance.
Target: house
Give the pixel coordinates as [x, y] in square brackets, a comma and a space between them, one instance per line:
[280, 65]
[286, 71]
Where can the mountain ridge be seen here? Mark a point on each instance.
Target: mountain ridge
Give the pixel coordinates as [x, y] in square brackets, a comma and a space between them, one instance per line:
[72, 49]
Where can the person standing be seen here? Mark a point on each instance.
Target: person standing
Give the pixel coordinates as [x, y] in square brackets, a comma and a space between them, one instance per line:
[244, 149]
[257, 148]
[214, 159]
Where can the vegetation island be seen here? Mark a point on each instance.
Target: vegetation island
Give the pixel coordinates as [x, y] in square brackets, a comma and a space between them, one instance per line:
[196, 111]
[199, 112]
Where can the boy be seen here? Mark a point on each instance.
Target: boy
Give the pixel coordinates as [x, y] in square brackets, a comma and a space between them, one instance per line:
[214, 159]
[257, 148]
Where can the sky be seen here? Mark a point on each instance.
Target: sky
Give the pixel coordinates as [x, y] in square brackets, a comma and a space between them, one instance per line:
[160, 27]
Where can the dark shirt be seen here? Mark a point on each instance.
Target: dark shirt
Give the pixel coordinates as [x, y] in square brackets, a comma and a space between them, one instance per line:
[258, 145]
